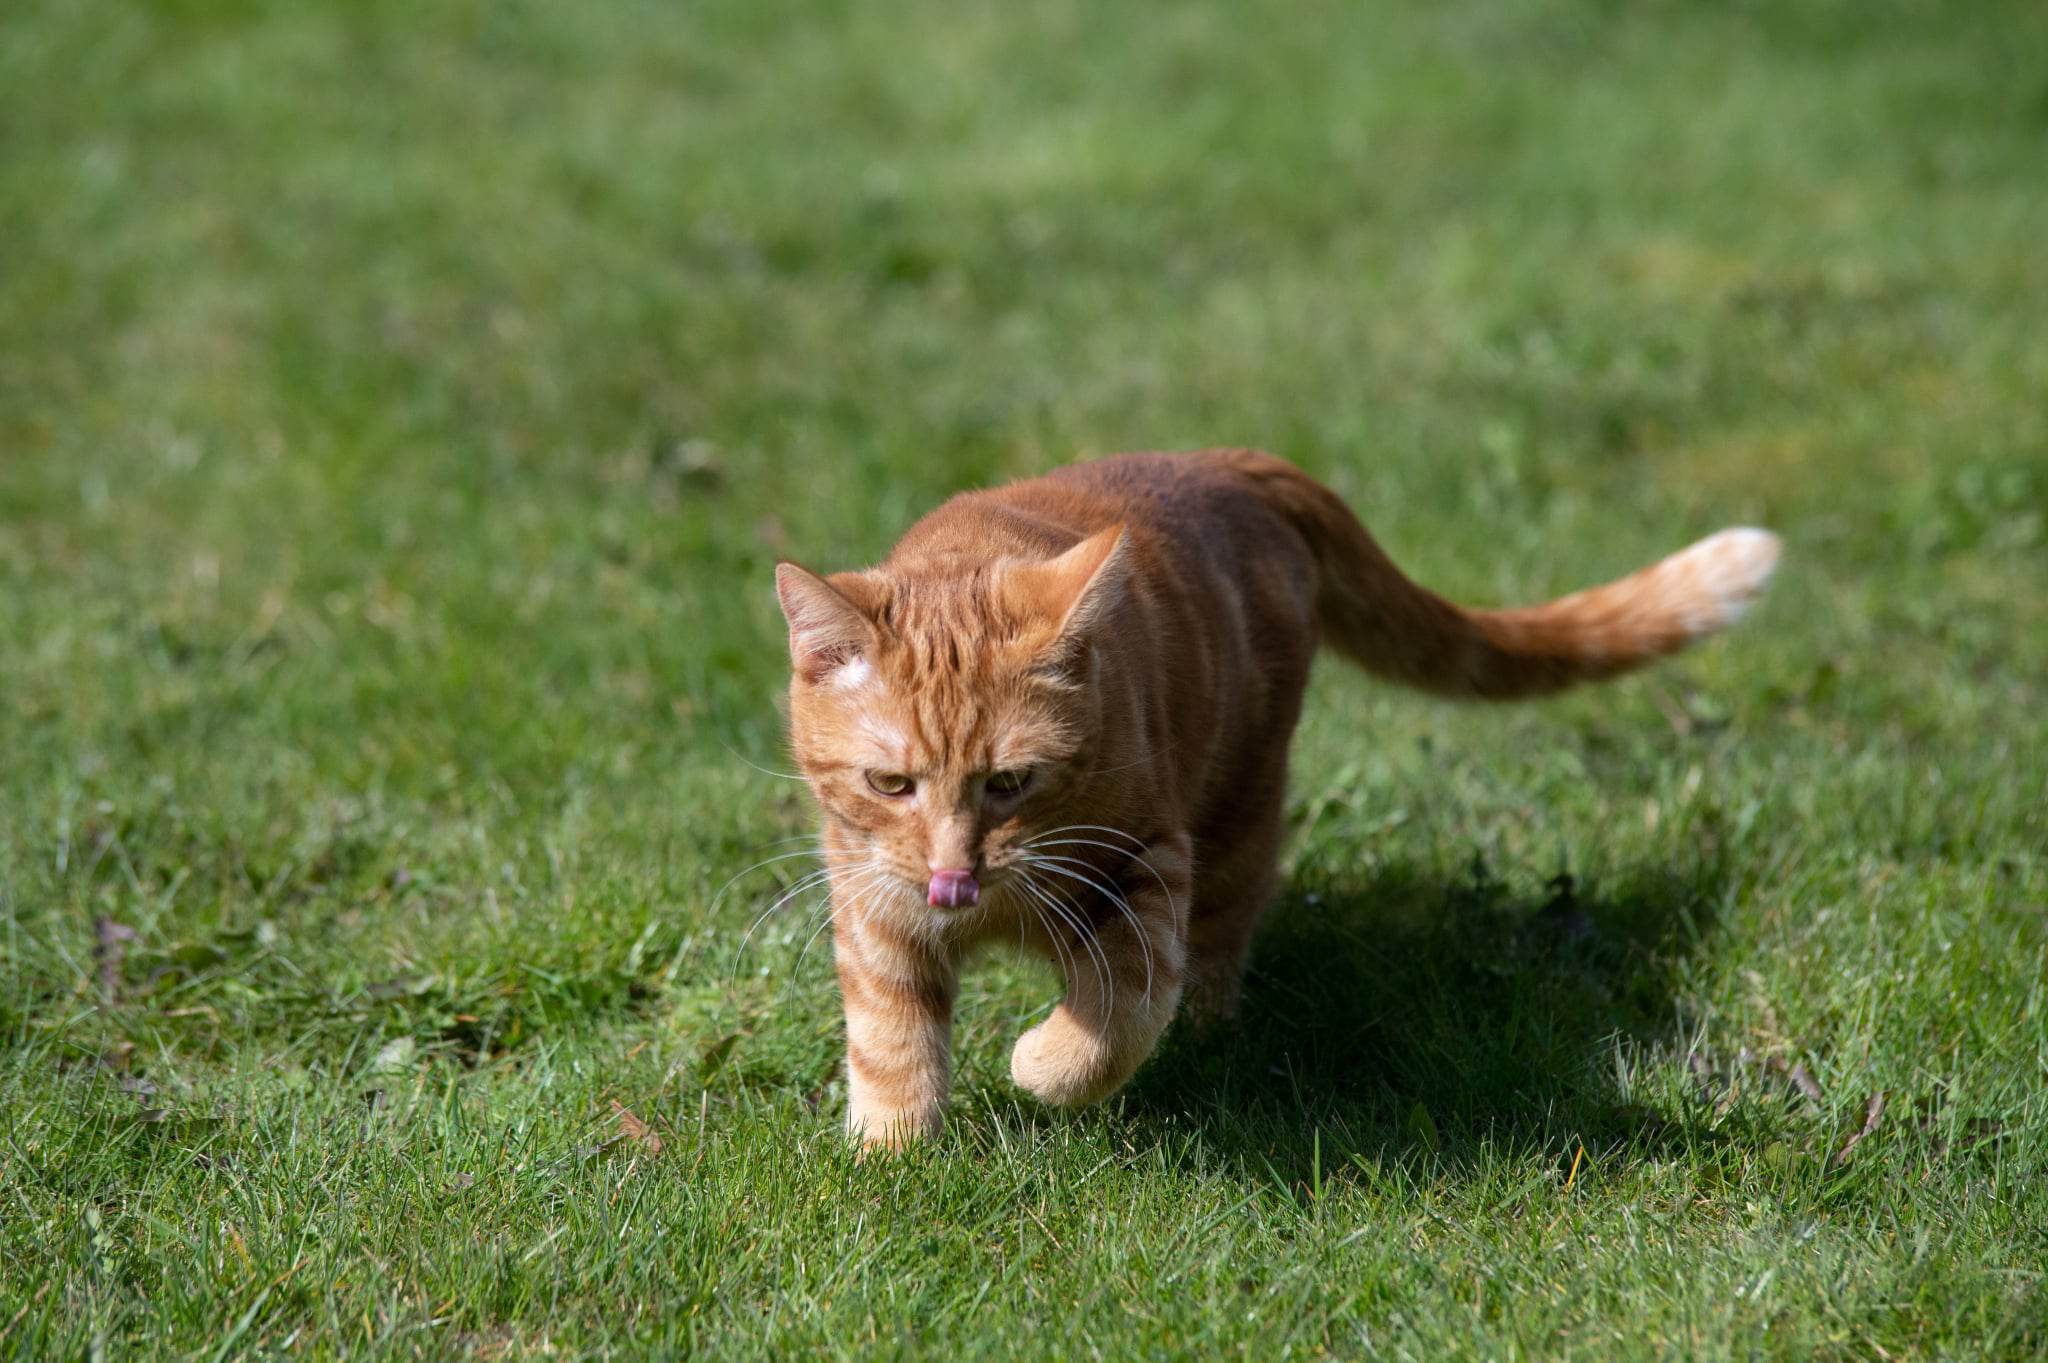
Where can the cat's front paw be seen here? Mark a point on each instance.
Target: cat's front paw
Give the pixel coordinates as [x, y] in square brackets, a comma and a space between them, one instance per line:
[1061, 1064]
[886, 1129]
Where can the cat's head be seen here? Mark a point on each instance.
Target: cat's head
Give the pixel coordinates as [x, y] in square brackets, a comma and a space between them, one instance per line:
[945, 714]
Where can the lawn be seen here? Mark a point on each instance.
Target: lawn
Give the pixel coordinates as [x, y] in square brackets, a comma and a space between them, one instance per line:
[402, 408]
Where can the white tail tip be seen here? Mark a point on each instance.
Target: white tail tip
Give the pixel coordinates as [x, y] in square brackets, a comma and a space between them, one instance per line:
[1725, 573]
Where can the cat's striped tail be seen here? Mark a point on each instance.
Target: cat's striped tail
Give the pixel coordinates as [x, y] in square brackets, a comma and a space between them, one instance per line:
[1373, 614]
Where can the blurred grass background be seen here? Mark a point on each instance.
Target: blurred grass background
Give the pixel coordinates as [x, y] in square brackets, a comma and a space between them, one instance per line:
[401, 408]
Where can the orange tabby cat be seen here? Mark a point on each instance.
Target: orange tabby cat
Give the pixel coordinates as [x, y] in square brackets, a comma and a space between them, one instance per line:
[1059, 712]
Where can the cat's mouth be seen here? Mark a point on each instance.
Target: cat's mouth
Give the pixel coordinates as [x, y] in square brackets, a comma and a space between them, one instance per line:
[960, 888]
[954, 889]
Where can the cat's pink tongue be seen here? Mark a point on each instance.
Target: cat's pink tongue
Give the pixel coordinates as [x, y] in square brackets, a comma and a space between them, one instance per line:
[954, 889]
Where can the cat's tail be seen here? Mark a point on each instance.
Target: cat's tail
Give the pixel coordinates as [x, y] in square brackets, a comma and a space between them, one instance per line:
[1373, 614]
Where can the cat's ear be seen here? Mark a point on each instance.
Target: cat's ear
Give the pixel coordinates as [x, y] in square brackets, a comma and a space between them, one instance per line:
[827, 629]
[1078, 590]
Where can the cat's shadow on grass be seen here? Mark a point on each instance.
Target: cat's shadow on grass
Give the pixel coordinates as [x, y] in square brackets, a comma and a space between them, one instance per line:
[1393, 1015]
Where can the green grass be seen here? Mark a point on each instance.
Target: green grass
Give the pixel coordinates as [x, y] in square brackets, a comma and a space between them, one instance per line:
[401, 408]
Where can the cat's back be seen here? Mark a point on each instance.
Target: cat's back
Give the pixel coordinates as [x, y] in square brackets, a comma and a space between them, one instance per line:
[1151, 490]
[1194, 499]
[1191, 494]
[1204, 513]
[1197, 522]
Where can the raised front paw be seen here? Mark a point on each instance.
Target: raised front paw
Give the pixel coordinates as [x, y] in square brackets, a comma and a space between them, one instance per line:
[1063, 1064]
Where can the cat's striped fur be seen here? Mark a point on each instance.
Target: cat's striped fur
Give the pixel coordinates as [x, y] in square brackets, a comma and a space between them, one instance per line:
[1059, 712]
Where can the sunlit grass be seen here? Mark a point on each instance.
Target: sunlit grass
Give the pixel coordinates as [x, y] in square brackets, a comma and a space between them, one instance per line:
[400, 411]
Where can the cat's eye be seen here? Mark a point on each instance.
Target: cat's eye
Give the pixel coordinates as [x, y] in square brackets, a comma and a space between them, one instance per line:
[1009, 782]
[889, 783]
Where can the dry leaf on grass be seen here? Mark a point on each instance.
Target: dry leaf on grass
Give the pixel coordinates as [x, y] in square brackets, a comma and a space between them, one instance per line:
[631, 1128]
[1800, 1078]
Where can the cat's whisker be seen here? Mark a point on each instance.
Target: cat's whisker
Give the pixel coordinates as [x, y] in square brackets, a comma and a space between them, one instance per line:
[1072, 913]
[814, 847]
[1043, 834]
[1026, 883]
[819, 920]
[1074, 918]
[1066, 970]
[824, 921]
[765, 771]
[857, 879]
[1140, 762]
[1045, 839]
[862, 880]
[1022, 948]
[838, 881]
[1089, 842]
[1050, 838]
[808, 883]
[1069, 968]
[1060, 866]
[868, 877]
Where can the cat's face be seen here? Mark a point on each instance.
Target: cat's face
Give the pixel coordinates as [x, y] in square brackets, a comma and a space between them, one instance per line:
[943, 720]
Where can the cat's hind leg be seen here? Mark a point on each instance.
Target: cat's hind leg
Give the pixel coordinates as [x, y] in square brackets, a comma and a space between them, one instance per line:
[1234, 892]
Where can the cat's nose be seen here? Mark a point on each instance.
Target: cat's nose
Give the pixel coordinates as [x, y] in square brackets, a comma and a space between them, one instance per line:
[952, 889]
